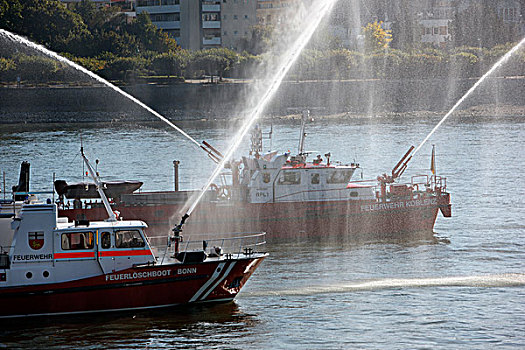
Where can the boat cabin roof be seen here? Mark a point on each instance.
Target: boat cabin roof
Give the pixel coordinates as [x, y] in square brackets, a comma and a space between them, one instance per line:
[318, 166]
[62, 224]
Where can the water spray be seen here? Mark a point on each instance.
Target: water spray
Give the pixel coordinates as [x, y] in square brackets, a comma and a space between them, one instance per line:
[403, 163]
[319, 10]
[47, 52]
[474, 87]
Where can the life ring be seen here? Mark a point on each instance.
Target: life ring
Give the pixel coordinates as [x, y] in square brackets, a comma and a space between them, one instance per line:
[224, 192]
[214, 187]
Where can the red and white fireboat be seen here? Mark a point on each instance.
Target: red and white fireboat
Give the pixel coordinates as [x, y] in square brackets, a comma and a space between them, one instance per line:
[58, 267]
[283, 194]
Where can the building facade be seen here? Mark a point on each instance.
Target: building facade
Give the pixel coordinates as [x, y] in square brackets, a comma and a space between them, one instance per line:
[435, 21]
[275, 12]
[238, 19]
[202, 24]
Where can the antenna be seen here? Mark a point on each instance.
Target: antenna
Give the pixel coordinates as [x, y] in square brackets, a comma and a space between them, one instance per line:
[306, 116]
[98, 184]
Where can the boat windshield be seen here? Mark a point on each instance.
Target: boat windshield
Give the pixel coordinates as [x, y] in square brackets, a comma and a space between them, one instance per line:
[340, 176]
[129, 239]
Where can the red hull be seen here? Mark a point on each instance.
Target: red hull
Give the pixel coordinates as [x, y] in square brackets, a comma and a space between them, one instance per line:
[288, 219]
[135, 288]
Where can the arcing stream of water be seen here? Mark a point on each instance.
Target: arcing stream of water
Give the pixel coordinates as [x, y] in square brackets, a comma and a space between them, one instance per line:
[20, 40]
[316, 13]
[470, 91]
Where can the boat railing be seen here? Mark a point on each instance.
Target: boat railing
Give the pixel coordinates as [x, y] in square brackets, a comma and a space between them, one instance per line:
[235, 244]
[5, 249]
[433, 182]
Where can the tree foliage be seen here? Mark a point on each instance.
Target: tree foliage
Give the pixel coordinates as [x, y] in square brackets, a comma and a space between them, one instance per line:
[480, 26]
[376, 38]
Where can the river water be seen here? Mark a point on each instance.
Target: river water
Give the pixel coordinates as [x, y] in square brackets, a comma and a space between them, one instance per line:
[462, 288]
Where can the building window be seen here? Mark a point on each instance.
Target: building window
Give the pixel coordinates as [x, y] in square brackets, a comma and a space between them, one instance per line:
[234, 16]
[443, 30]
[436, 31]
[165, 17]
[225, 33]
[207, 17]
[246, 17]
[141, 3]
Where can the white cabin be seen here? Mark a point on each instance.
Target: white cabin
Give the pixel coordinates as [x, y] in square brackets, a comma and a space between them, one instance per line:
[281, 178]
[48, 249]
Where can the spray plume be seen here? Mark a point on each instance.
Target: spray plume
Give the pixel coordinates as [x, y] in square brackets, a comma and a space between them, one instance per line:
[20, 40]
[471, 90]
[316, 13]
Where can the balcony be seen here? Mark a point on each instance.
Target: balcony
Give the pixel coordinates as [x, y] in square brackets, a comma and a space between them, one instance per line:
[211, 40]
[211, 8]
[168, 24]
[211, 24]
[159, 9]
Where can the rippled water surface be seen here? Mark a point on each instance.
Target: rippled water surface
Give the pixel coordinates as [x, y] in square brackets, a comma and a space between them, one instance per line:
[464, 287]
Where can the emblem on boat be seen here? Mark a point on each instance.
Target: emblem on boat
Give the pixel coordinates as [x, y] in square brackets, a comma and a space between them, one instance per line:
[36, 240]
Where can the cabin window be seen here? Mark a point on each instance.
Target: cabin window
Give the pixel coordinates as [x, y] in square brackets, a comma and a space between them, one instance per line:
[339, 177]
[78, 240]
[354, 194]
[129, 239]
[290, 178]
[105, 240]
[315, 179]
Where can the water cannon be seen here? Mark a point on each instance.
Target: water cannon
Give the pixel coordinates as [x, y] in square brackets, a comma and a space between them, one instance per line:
[212, 152]
[177, 237]
[401, 166]
[178, 229]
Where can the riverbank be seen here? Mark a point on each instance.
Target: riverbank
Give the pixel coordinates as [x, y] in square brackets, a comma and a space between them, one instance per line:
[216, 102]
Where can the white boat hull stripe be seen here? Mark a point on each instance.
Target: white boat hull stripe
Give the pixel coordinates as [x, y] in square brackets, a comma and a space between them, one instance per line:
[213, 277]
[220, 280]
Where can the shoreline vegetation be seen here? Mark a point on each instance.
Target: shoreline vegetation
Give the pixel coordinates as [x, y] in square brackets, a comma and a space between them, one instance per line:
[128, 52]
[222, 65]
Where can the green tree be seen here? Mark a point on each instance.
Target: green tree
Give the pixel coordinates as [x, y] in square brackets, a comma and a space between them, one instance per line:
[376, 38]
[37, 69]
[10, 14]
[216, 61]
[50, 23]
[149, 36]
[406, 30]
[480, 26]
[170, 63]
[261, 39]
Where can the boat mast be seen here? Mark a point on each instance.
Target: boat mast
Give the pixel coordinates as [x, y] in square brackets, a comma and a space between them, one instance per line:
[98, 184]
[306, 116]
